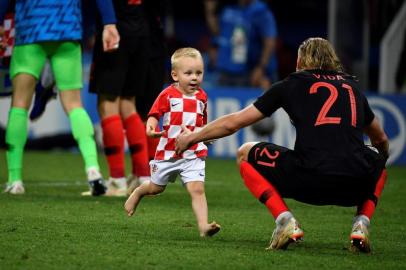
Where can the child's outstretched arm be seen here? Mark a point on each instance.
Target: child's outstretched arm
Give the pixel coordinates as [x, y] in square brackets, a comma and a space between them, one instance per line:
[151, 125]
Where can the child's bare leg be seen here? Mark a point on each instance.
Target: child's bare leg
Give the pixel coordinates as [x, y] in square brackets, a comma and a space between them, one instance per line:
[146, 188]
[199, 206]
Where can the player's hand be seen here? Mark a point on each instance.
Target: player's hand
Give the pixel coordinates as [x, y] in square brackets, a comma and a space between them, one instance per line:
[111, 38]
[257, 75]
[183, 140]
[151, 132]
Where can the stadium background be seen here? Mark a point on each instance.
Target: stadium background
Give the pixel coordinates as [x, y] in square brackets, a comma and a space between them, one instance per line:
[53, 227]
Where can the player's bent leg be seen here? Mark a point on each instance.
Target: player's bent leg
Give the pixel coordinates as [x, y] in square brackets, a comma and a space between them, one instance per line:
[262, 189]
[367, 208]
[359, 236]
[146, 188]
[287, 228]
[243, 151]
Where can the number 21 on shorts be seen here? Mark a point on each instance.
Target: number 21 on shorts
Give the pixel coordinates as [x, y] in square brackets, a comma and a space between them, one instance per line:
[265, 154]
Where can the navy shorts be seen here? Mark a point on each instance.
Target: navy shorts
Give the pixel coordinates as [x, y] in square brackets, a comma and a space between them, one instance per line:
[122, 73]
[154, 85]
[282, 168]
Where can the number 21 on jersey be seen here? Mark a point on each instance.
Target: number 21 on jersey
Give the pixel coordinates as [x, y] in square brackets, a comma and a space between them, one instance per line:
[322, 118]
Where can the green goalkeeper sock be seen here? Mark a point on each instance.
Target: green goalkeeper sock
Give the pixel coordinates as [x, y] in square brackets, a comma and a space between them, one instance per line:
[16, 137]
[82, 130]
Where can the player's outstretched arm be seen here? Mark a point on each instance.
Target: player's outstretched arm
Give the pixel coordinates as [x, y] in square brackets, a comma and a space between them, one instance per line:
[378, 137]
[219, 128]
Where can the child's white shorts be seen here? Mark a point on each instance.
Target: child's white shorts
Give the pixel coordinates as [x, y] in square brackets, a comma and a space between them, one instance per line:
[165, 171]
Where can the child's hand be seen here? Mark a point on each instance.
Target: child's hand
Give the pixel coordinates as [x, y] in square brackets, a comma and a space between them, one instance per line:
[151, 132]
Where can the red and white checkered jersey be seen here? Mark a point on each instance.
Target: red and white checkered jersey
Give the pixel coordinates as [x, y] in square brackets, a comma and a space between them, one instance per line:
[176, 109]
[8, 36]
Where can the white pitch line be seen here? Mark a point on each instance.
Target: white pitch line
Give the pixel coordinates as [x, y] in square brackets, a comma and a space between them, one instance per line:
[84, 183]
[56, 184]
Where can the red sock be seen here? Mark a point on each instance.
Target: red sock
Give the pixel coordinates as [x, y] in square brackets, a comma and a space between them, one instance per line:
[137, 141]
[152, 145]
[368, 207]
[262, 189]
[113, 139]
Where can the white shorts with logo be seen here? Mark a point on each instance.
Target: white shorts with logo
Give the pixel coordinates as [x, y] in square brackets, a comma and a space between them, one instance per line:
[165, 171]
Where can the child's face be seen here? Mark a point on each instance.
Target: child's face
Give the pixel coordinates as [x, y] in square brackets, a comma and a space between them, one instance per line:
[189, 74]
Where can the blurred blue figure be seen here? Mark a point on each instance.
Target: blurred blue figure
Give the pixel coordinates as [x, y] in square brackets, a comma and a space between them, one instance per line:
[245, 36]
[44, 92]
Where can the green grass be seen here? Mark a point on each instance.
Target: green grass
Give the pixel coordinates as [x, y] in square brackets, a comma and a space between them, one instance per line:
[53, 227]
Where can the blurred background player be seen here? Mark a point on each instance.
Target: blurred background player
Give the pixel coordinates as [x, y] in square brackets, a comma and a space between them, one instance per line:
[61, 46]
[243, 50]
[122, 78]
[45, 90]
[244, 43]
[330, 165]
[182, 103]
[7, 33]
[156, 74]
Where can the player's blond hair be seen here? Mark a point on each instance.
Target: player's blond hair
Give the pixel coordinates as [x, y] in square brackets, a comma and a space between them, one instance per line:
[317, 53]
[184, 52]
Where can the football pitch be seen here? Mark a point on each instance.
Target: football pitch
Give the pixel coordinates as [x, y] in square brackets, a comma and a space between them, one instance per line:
[53, 227]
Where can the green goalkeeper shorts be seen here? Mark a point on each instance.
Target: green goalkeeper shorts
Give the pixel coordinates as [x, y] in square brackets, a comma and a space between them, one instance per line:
[65, 58]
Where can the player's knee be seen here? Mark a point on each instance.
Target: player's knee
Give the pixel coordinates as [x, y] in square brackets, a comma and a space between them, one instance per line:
[127, 107]
[243, 151]
[127, 112]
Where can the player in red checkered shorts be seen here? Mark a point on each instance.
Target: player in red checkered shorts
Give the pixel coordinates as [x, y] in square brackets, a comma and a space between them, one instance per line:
[182, 104]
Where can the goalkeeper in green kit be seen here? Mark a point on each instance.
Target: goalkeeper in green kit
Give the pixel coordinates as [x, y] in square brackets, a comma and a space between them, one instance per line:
[52, 29]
